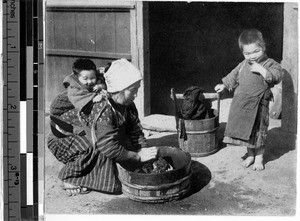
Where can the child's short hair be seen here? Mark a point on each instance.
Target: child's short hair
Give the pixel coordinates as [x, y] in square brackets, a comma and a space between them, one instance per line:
[83, 64]
[250, 36]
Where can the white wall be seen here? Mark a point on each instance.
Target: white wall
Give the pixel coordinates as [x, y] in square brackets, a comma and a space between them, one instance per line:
[290, 63]
[1, 120]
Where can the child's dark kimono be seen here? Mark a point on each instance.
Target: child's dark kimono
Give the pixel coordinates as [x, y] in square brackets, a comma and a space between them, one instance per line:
[80, 95]
[248, 119]
[76, 95]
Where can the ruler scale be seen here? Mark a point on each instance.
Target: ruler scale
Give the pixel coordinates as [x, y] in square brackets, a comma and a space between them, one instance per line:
[11, 110]
[39, 159]
[23, 108]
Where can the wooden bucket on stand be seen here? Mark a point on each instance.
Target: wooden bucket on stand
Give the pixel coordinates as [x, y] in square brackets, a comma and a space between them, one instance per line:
[161, 187]
[200, 138]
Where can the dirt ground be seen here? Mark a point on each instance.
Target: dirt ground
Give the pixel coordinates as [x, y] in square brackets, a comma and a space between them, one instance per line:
[221, 186]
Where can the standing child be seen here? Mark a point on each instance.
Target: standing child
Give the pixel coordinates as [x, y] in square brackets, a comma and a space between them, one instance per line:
[252, 79]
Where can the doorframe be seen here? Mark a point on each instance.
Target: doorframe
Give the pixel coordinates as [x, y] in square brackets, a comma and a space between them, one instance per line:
[139, 26]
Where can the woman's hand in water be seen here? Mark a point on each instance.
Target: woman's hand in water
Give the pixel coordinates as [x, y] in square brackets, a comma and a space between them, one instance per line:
[219, 88]
[147, 154]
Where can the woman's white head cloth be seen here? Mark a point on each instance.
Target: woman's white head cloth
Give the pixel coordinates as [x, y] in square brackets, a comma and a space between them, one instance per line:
[120, 75]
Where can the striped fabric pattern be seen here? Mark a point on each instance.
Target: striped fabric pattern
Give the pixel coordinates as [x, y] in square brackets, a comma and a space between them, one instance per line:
[61, 104]
[94, 166]
[69, 148]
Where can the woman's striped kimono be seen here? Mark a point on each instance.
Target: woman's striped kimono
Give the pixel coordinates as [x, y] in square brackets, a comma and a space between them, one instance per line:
[93, 164]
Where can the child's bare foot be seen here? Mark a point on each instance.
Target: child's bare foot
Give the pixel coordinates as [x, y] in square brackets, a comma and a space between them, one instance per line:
[258, 163]
[259, 159]
[248, 161]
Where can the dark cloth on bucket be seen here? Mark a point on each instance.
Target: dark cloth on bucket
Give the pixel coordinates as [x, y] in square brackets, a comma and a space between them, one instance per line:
[195, 106]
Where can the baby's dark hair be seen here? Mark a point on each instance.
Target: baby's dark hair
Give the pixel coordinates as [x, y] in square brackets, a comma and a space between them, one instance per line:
[250, 36]
[107, 67]
[83, 64]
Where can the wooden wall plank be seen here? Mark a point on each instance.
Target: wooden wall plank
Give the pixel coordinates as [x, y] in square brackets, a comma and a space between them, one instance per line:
[102, 62]
[91, 54]
[123, 32]
[91, 3]
[64, 30]
[105, 31]
[57, 68]
[87, 9]
[85, 31]
[49, 30]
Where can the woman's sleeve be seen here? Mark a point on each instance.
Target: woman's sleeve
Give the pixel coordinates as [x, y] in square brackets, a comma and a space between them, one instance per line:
[134, 128]
[274, 72]
[231, 80]
[107, 138]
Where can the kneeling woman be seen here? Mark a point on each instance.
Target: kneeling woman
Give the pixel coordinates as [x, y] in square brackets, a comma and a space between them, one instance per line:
[112, 133]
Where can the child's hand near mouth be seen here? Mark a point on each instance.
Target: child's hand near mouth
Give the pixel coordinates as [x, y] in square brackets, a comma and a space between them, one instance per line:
[257, 68]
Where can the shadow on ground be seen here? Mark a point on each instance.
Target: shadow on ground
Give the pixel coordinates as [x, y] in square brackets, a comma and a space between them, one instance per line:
[200, 177]
[220, 134]
[278, 144]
